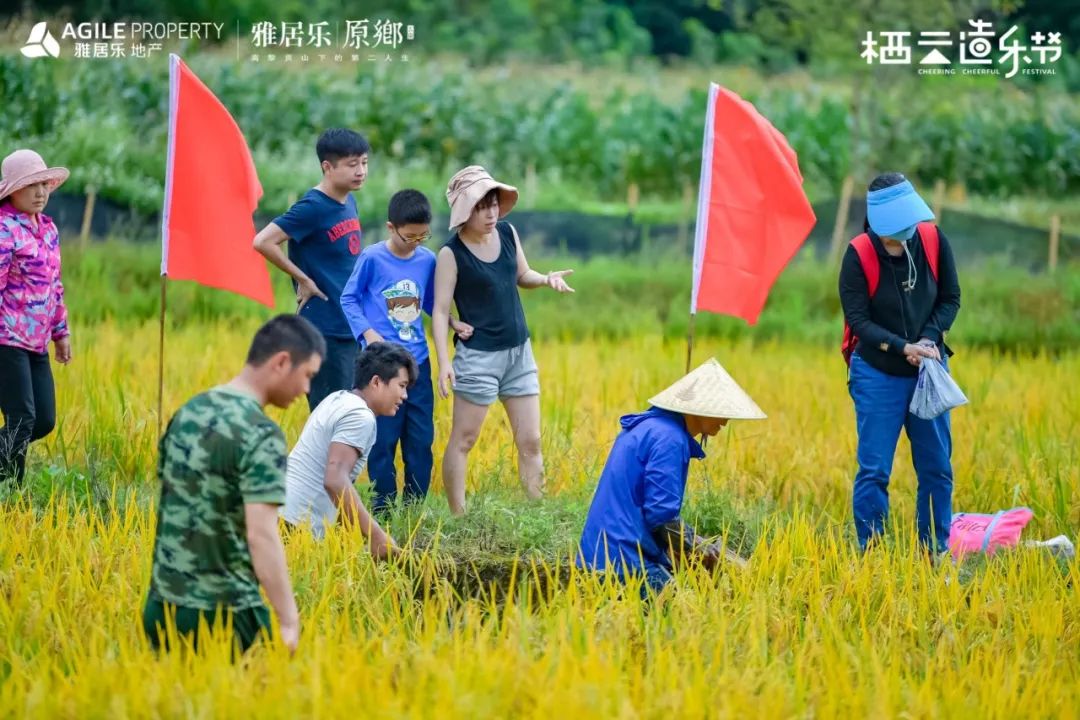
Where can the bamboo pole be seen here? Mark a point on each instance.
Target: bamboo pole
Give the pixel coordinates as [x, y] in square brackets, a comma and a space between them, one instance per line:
[161, 358]
[842, 209]
[939, 199]
[88, 217]
[633, 195]
[690, 342]
[1055, 240]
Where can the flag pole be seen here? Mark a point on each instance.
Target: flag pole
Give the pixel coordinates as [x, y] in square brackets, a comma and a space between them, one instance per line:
[690, 342]
[166, 212]
[161, 357]
[701, 220]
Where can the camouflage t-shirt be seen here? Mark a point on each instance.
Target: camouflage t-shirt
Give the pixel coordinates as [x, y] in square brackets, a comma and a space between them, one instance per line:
[219, 452]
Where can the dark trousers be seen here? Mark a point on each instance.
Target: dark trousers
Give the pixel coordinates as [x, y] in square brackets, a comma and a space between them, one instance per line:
[414, 428]
[247, 625]
[337, 371]
[28, 403]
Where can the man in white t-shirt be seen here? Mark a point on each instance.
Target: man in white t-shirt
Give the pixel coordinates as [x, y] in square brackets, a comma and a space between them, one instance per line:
[334, 445]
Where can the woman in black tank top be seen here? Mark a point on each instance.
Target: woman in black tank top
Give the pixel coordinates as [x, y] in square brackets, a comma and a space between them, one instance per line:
[486, 293]
[480, 269]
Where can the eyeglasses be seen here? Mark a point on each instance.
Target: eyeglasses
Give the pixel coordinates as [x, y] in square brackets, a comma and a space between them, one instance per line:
[414, 238]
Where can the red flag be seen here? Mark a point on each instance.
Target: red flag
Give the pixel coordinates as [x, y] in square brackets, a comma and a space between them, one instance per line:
[752, 212]
[211, 192]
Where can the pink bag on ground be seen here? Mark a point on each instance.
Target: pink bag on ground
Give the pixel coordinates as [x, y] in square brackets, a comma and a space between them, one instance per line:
[974, 532]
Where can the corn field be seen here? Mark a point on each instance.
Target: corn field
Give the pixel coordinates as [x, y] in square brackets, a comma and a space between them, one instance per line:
[426, 120]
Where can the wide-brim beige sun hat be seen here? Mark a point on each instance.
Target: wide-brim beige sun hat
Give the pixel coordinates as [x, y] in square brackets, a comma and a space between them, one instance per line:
[23, 168]
[468, 186]
[708, 391]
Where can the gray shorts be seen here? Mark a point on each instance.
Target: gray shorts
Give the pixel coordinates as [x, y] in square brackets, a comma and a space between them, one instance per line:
[484, 376]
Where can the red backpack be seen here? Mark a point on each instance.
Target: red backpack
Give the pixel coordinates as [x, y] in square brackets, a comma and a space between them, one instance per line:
[864, 247]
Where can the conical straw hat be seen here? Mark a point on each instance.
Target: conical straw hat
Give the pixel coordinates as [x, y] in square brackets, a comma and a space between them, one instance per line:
[709, 391]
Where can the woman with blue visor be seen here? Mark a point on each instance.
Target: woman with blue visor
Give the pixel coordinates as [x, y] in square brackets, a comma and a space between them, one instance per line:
[900, 295]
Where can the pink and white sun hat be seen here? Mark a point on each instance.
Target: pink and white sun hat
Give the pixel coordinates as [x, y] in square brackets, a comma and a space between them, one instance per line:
[25, 167]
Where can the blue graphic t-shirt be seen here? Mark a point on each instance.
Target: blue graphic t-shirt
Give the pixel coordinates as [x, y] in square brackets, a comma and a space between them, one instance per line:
[389, 294]
[324, 241]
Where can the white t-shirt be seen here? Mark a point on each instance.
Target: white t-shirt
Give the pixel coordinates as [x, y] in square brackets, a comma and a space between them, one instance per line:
[342, 417]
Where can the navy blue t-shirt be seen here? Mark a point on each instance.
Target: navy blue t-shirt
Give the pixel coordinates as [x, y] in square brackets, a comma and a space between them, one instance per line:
[324, 242]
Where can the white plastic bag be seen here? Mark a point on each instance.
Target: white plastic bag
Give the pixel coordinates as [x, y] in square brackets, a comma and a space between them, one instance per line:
[936, 391]
[1060, 546]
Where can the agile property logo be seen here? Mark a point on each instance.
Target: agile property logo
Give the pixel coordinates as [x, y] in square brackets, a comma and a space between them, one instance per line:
[41, 43]
[102, 40]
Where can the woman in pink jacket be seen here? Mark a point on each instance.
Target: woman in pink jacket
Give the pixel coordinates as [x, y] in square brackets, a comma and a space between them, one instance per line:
[32, 310]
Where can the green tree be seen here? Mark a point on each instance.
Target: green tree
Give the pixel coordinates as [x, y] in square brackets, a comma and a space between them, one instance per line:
[830, 35]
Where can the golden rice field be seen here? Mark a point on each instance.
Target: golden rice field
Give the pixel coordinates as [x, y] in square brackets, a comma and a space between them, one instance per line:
[810, 630]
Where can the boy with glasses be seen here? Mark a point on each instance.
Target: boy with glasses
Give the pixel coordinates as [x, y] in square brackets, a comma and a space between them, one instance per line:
[391, 286]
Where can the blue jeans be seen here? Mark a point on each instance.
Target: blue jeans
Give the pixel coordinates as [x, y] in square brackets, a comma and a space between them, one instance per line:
[881, 410]
[337, 372]
[657, 578]
[654, 577]
[414, 428]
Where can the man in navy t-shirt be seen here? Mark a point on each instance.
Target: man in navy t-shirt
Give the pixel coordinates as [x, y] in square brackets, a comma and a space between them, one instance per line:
[323, 232]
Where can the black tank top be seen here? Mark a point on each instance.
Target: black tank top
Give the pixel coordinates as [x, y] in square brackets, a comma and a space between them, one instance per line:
[486, 295]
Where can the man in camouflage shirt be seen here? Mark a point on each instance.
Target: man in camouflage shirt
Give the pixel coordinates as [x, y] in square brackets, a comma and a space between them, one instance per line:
[221, 466]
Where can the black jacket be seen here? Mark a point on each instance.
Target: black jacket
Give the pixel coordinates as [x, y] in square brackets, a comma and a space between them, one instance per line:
[895, 316]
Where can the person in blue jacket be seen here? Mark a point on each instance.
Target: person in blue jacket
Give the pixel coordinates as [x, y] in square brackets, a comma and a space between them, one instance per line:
[635, 526]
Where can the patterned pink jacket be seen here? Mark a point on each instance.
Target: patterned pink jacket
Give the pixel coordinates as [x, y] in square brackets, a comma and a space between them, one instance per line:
[32, 310]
